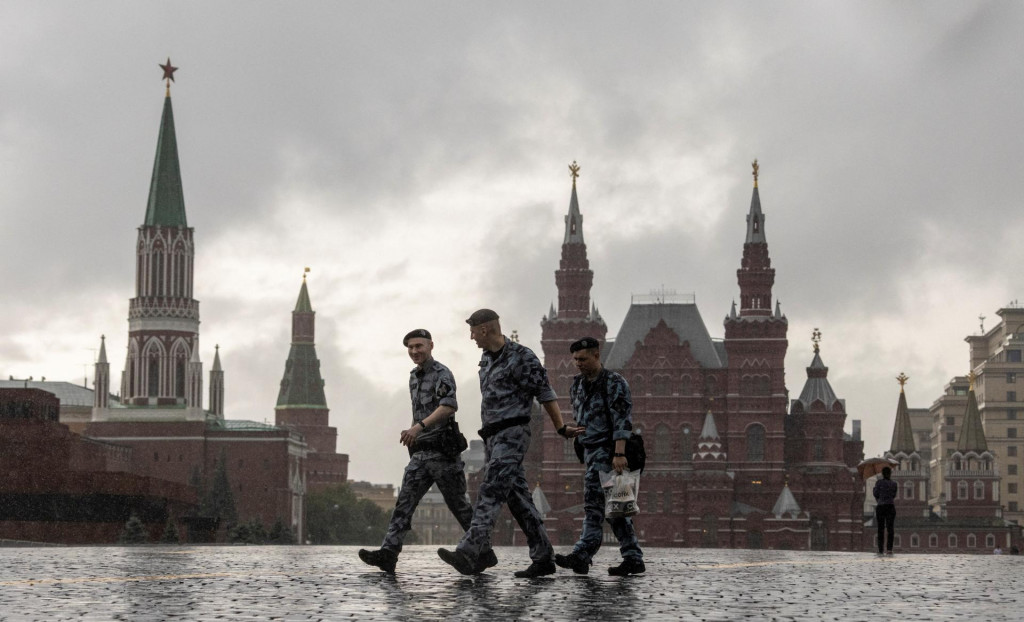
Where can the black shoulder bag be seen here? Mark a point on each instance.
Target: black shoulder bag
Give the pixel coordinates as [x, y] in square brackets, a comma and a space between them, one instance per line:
[636, 454]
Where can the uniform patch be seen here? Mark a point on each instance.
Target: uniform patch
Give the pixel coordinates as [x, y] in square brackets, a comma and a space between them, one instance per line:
[621, 406]
[443, 389]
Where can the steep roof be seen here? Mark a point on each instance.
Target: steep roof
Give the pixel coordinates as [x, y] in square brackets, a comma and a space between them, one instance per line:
[902, 432]
[685, 321]
[166, 205]
[786, 504]
[755, 221]
[573, 220]
[817, 386]
[972, 434]
[303, 304]
[302, 385]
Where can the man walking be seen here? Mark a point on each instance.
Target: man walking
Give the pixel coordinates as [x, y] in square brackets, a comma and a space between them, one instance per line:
[602, 405]
[435, 447]
[511, 377]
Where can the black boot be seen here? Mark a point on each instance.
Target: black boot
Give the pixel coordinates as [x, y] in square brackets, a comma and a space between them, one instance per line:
[458, 560]
[629, 565]
[486, 560]
[573, 561]
[537, 569]
[384, 559]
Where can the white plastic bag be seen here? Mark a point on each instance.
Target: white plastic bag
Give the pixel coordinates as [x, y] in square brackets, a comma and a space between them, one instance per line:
[621, 493]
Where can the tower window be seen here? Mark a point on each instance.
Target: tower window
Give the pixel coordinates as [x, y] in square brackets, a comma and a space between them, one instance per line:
[755, 443]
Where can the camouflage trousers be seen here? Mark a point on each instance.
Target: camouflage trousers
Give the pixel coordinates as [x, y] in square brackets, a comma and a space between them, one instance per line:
[600, 461]
[504, 481]
[424, 469]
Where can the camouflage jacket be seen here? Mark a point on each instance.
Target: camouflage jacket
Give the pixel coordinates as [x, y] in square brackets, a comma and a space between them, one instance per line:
[510, 380]
[430, 387]
[593, 402]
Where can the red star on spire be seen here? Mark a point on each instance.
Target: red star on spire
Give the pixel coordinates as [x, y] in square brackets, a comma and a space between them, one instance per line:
[168, 70]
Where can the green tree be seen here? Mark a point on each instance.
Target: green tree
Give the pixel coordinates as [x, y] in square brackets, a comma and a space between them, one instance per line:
[170, 535]
[134, 531]
[336, 515]
[281, 533]
[218, 501]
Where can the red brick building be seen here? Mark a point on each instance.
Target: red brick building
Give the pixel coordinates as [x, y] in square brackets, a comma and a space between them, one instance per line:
[60, 487]
[728, 466]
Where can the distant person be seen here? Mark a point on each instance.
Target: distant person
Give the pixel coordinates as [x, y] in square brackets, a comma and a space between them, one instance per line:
[435, 453]
[885, 512]
[997, 551]
[603, 407]
[511, 377]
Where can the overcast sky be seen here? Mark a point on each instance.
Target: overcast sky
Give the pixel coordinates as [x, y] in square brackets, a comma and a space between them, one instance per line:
[414, 156]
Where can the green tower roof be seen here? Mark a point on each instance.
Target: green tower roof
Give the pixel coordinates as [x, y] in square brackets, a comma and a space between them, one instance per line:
[303, 304]
[903, 431]
[166, 205]
[302, 384]
[972, 434]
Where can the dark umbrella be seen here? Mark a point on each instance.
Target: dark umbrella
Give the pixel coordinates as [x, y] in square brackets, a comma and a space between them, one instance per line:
[874, 466]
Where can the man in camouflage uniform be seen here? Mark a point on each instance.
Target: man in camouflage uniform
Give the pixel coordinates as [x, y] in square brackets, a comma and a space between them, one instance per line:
[603, 407]
[511, 377]
[432, 458]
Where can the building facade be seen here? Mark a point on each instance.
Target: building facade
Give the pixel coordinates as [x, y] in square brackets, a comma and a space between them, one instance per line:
[730, 462]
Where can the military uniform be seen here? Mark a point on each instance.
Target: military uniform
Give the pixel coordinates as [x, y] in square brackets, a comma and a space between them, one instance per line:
[429, 387]
[510, 380]
[604, 409]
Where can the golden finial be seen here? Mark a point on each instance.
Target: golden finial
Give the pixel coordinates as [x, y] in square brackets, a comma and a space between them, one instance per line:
[756, 169]
[304, 273]
[816, 338]
[902, 379]
[971, 377]
[574, 171]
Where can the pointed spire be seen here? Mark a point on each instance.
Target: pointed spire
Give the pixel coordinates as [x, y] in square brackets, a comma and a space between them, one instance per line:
[302, 305]
[216, 358]
[786, 504]
[103, 349]
[972, 433]
[817, 386]
[732, 312]
[166, 205]
[195, 353]
[574, 219]
[903, 432]
[755, 219]
[552, 314]
[778, 308]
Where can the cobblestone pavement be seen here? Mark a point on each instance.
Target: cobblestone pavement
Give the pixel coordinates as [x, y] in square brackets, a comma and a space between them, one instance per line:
[330, 583]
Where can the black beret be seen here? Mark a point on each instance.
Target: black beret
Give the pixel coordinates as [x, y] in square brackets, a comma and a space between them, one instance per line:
[584, 344]
[420, 333]
[481, 316]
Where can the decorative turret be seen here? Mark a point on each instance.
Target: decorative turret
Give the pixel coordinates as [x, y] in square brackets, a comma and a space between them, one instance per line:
[756, 276]
[972, 433]
[817, 387]
[903, 431]
[195, 381]
[910, 473]
[217, 386]
[576, 315]
[709, 443]
[101, 397]
[971, 478]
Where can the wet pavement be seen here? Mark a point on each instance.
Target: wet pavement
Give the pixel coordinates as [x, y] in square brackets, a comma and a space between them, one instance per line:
[330, 583]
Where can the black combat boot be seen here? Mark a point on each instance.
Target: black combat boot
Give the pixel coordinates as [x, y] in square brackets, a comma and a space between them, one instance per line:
[384, 559]
[458, 560]
[629, 565]
[537, 569]
[573, 561]
[486, 560]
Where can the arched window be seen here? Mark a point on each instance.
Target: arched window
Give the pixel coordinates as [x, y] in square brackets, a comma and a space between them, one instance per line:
[755, 443]
[933, 540]
[961, 490]
[686, 444]
[153, 375]
[990, 541]
[908, 490]
[953, 541]
[179, 375]
[979, 490]
[972, 541]
[661, 385]
[819, 449]
[915, 541]
[685, 385]
[662, 443]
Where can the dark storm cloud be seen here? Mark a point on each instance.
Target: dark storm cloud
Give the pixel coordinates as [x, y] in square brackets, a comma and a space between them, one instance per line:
[887, 135]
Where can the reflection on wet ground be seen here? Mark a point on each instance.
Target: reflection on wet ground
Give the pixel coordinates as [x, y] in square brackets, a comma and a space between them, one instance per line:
[330, 583]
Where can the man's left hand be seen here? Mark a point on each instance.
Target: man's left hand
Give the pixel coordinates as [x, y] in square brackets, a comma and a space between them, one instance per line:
[619, 463]
[408, 437]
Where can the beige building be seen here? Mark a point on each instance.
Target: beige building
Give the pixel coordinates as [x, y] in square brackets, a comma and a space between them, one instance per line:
[996, 358]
